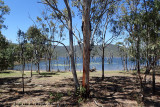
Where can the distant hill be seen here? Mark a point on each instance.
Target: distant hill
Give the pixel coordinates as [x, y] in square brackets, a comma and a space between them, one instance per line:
[109, 51]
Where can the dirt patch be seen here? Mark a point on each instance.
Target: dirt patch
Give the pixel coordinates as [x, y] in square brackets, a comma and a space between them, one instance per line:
[57, 89]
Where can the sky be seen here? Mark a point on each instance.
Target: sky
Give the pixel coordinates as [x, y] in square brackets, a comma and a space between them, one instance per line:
[20, 10]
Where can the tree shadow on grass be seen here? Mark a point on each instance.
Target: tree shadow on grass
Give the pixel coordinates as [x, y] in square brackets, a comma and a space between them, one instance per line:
[8, 80]
[44, 93]
[63, 98]
[103, 91]
[9, 101]
[114, 88]
[6, 72]
[46, 74]
[150, 102]
[12, 98]
[112, 91]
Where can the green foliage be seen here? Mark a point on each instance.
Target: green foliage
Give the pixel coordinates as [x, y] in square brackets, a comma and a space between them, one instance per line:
[7, 51]
[141, 21]
[22, 39]
[82, 90]
[34, 36]
[80, 94]
[3, 42]
[28, 52]
[4, 9]
[69, 93]
[38, 40]
[61, 27]
[80, 100]
[39, 19]
[54, 97]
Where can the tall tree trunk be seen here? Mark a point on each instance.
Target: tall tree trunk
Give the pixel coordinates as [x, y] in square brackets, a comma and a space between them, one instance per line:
[38, 68]
[126, 62]
[46, 63]
[31, 66]
[69, 64]
[49, 61]
[75, 58]
[138, 56]
[153, 81]
[23, 76]
[147, 54]
[38, 60]
[138, 66]
[73, 69]
[153, 73]
[102, 62]
[86, 44]
[23, 67]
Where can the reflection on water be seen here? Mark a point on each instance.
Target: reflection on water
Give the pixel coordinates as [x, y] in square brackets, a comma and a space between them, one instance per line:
[62, 63]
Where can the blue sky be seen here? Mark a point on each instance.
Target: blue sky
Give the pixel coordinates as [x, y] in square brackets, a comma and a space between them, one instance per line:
[19, 18]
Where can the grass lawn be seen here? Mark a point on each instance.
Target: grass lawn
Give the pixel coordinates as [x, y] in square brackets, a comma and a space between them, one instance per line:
[13, 73]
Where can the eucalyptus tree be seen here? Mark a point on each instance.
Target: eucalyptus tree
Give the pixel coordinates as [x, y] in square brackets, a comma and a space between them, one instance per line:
[123, 51]
[131, 20]
[29, 55]
[92, 12]
[85, 9]
[3, 45]
[3, 56]
[4, 9]
[150, 23]
[22, 39]
[10, 53]
[141, 20]
[65, 17]
[148, 19]
[151, 31]
[7, 53]
[104, 24]
[49, 28]
[35, 37]
[86, 23]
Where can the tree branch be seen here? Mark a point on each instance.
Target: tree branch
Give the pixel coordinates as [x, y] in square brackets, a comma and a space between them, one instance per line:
[60, 43]
[56, 9]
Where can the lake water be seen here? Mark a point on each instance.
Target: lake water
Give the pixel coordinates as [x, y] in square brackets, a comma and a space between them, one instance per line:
[63, 64]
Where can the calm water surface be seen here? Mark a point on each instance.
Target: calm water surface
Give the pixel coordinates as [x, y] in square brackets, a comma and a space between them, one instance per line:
[63, 64]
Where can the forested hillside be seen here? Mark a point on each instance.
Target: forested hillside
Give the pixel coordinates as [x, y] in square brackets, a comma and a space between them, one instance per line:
[109, 51]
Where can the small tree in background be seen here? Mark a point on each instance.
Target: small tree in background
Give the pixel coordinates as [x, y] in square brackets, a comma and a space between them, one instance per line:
[35, 37]
[22, 44]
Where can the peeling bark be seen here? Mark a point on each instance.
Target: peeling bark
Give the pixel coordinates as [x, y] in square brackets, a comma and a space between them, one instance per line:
[86, 45]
